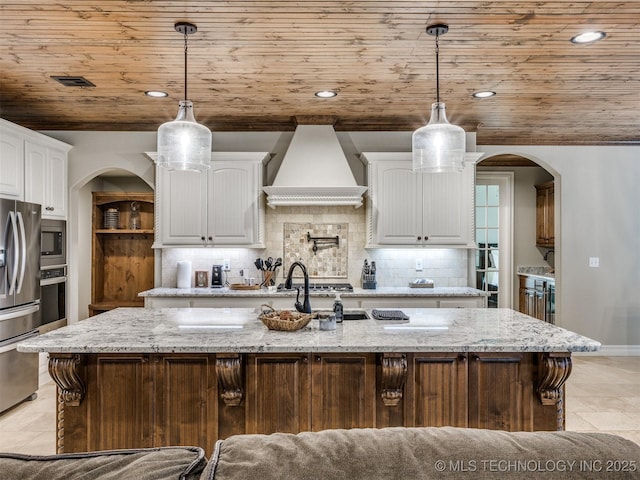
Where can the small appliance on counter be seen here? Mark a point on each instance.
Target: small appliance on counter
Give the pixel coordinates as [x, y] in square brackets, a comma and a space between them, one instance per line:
[421, 283]
[216, 276]
[369, 275]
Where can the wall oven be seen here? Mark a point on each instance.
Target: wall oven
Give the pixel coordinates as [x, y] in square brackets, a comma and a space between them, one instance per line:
[53, 298]
[53, 243]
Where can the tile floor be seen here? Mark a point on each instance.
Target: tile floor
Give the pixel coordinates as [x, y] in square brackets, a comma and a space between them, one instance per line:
[603, 395]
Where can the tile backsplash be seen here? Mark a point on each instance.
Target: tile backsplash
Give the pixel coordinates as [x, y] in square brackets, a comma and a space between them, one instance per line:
[395, 266]
[322, 247]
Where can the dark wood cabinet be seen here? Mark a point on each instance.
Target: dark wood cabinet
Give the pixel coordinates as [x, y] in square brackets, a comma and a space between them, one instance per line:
[343, 390]
[545, 215]
[110, 401]
[535, 298]
[501, 391]
[278, 393]
[437, 392]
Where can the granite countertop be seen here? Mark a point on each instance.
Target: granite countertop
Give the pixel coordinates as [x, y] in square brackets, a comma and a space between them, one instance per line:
[537, 271]
[215, 330]
[357, 292]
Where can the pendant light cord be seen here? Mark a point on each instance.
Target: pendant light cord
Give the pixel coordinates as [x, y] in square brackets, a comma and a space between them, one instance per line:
[185, 63]
[437, 69]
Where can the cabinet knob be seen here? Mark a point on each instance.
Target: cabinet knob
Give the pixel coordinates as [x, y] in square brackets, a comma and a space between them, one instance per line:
[318, 358]
[462, 358]
[202, 238]
[419, 237]
[210, 238]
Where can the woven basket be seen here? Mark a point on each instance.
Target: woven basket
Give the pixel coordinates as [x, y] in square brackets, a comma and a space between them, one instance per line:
[284, 320]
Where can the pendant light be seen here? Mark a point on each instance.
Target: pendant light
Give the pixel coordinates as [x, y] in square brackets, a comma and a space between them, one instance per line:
[184, 144]
[438, 146]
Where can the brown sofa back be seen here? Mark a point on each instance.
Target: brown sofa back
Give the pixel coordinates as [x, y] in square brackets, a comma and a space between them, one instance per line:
[424, 453]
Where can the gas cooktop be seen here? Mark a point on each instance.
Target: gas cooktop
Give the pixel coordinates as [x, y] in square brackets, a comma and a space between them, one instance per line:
[321, 287]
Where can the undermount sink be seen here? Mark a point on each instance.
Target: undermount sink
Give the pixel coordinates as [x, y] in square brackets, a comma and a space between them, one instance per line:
[348, 314]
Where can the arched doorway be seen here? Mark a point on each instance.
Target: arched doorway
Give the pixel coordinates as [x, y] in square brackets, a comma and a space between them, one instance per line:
[502, 250]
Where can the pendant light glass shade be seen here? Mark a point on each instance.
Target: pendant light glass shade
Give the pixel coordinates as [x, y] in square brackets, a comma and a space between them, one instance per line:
[438, 146]
[184, 144]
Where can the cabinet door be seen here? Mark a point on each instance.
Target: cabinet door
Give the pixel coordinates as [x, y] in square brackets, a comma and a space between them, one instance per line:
[182, 206]
[120, 414]
[344, 391]
[545, 213]
[56, 184]
[397, 205]
[278, 393]
[35, 174]
[186, 400]
[233, 196]
[46, 179]
[501, 391]
[447, 207]
[436, 390]
[11, 165]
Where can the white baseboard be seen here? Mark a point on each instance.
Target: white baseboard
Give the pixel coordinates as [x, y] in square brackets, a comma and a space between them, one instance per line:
[613, 351]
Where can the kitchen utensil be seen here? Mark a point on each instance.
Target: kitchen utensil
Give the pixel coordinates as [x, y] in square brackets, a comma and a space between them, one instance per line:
[259, 264]
[278, 263]
[268, 262]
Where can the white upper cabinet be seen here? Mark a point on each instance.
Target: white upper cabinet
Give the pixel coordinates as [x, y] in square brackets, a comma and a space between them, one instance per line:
[417, 209]
[46, 179]
[33, 168]
[223, 206]
[11, 162]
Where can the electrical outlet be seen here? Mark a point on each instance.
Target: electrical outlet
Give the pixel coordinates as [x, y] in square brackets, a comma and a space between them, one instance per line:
[418, 265]
[226, 264]
[594, 262]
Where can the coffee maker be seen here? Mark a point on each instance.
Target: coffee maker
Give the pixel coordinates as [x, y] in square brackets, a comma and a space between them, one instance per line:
[216, 276]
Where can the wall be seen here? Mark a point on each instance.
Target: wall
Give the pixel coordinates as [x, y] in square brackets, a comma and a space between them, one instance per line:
[597, 190]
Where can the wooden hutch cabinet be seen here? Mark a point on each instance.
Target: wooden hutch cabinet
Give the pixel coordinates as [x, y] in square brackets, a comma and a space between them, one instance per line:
[122, 260]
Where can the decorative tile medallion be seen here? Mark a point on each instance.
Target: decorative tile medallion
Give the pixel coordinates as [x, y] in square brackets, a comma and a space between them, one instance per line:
[322, 247]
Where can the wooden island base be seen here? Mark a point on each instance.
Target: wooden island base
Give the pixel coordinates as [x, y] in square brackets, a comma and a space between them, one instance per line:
[111, 401]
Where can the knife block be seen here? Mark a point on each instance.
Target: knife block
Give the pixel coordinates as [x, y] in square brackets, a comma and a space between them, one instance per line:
[369, 281]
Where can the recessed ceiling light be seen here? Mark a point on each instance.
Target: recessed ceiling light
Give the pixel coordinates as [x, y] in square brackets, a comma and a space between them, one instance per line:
[156, 94]
[588, 37]
[486, 94]
[326, 94]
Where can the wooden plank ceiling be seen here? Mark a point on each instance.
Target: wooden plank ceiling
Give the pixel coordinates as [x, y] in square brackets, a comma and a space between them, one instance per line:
[254, 65]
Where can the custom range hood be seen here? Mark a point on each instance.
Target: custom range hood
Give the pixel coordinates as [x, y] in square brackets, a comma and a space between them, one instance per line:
[314, 171]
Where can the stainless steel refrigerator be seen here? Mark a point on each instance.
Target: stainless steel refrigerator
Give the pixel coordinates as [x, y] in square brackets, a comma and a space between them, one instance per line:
[19, 298]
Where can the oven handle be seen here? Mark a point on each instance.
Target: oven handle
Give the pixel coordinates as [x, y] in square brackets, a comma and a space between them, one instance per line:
[18, 339]
[52, 281]
[20, 312]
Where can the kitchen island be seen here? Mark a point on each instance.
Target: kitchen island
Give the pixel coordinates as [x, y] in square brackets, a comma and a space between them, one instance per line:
[137, 377]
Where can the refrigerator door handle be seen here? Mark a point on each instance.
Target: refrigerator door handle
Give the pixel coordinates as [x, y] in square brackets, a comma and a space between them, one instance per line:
[16, 340]
[16, 253]
[23, 251]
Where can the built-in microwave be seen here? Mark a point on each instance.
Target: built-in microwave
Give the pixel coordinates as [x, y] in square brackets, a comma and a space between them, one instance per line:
[53, 248]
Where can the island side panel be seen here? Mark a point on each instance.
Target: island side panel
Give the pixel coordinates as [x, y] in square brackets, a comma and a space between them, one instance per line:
[501, 391]
[186, 394]
[437, 391]
[109, 401]
[278, 393]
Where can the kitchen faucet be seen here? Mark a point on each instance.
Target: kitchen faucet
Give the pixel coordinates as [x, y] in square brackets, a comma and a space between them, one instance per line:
[304, 307]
